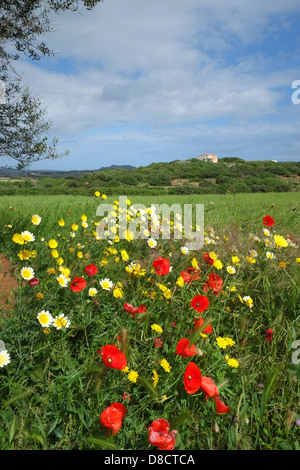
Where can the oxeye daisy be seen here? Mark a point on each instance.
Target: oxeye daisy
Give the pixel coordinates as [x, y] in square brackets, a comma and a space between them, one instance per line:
[45, 318]
[60, 321]
[62, 280]
[106, 284]
[270, 255]
[184, 250]
[28, 236]
[4, 358]
[27, 273]
[152, 243]
[36, 219]
[92, 292]
[230, 269]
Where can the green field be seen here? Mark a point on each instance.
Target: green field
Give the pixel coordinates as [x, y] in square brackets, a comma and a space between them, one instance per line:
[55, 385]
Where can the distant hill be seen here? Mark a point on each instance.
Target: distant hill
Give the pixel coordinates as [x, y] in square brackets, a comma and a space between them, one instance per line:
[11, 172]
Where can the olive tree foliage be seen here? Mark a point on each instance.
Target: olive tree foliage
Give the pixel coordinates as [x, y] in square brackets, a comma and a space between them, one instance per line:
[23, 120]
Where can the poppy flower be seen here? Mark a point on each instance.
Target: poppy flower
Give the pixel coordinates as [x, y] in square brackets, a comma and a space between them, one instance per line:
[221, 407]
[192, 378]
[191, 274]
[269, 335]
[184, 349]
[214, 283]
[113, 357]
[91, 270]
[208, 260]
[200, 303]
[33, 282]
[78, 284]
[134, 310]
[209, 388]
[160, 436]
[161, 266]
[112, 416]
[198, 323]
[268, 221]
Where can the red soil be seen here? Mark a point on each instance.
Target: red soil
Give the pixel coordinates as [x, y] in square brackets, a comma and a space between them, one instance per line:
[7, 286]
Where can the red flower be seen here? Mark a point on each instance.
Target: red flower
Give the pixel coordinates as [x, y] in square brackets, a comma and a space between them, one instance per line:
[113, 357]
[133, 310]
[208, 260]
[269, 335]
[91, 269]
[192, 378]
[184, 349]
[214, 282]
[33, 282]
[161, 265]
[158, 342]
[268, 221]
[209, 388]
[142, 309]
[221, 407]
[190, 275]
[112, 416]
[78, 284]
[160, 436]
[198, 323]
[200, 303]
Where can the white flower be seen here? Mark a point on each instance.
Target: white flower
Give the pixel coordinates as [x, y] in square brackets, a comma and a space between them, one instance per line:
[45, 318]
[152, 243]
[36, 219]
[4, 358]
[61, 321]
[28, 236]
[270, 255]
[27, 273]
[62, 280]
[92, 291]
[230, 269]
[184, 250]
[106, 284]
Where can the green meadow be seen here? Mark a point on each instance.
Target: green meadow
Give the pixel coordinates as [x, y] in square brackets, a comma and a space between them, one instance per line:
[56, 386]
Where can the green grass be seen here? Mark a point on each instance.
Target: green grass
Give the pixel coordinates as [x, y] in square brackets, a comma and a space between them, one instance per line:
[55, 387]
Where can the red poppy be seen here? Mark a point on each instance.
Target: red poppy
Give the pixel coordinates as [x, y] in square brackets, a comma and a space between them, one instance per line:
[214, 283]
[221, 407]
[200, 303]
[191, 274]
[160, 436]
[112, 416]
[91, 270]
[192, 378]
[33, 282]
[134, 310]
[161, 265]
[198, 323]
[113, 357]
[269, 335]
[208, 260]
[184, 349]
[78, 284]
[268, 221]
[209, 388]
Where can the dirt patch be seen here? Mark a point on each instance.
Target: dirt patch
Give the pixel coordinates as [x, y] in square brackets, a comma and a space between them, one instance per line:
[8, 285]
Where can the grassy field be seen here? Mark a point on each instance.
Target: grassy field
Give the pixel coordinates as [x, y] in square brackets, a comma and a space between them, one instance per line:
[58, 388]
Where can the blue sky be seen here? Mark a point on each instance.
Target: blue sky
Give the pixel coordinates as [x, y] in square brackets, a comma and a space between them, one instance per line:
[136, 82]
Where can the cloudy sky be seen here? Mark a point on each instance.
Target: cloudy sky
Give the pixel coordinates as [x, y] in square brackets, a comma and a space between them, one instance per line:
[136, 81]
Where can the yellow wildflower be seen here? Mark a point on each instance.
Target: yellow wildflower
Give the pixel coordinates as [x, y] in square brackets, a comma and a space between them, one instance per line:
[165, 365]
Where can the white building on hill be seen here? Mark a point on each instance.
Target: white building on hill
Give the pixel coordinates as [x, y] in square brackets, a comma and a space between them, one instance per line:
[208, 157]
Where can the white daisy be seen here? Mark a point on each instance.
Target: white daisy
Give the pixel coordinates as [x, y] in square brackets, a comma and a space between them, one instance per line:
[45, 318]
[230, 269]
[36, 219]
[60, 321]
[62, 280]
[4, 358]
[92, 292]
[28, 236]
[106, 284]
[270, 255]
[152, 243]
[27, 273]
[184, 250]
